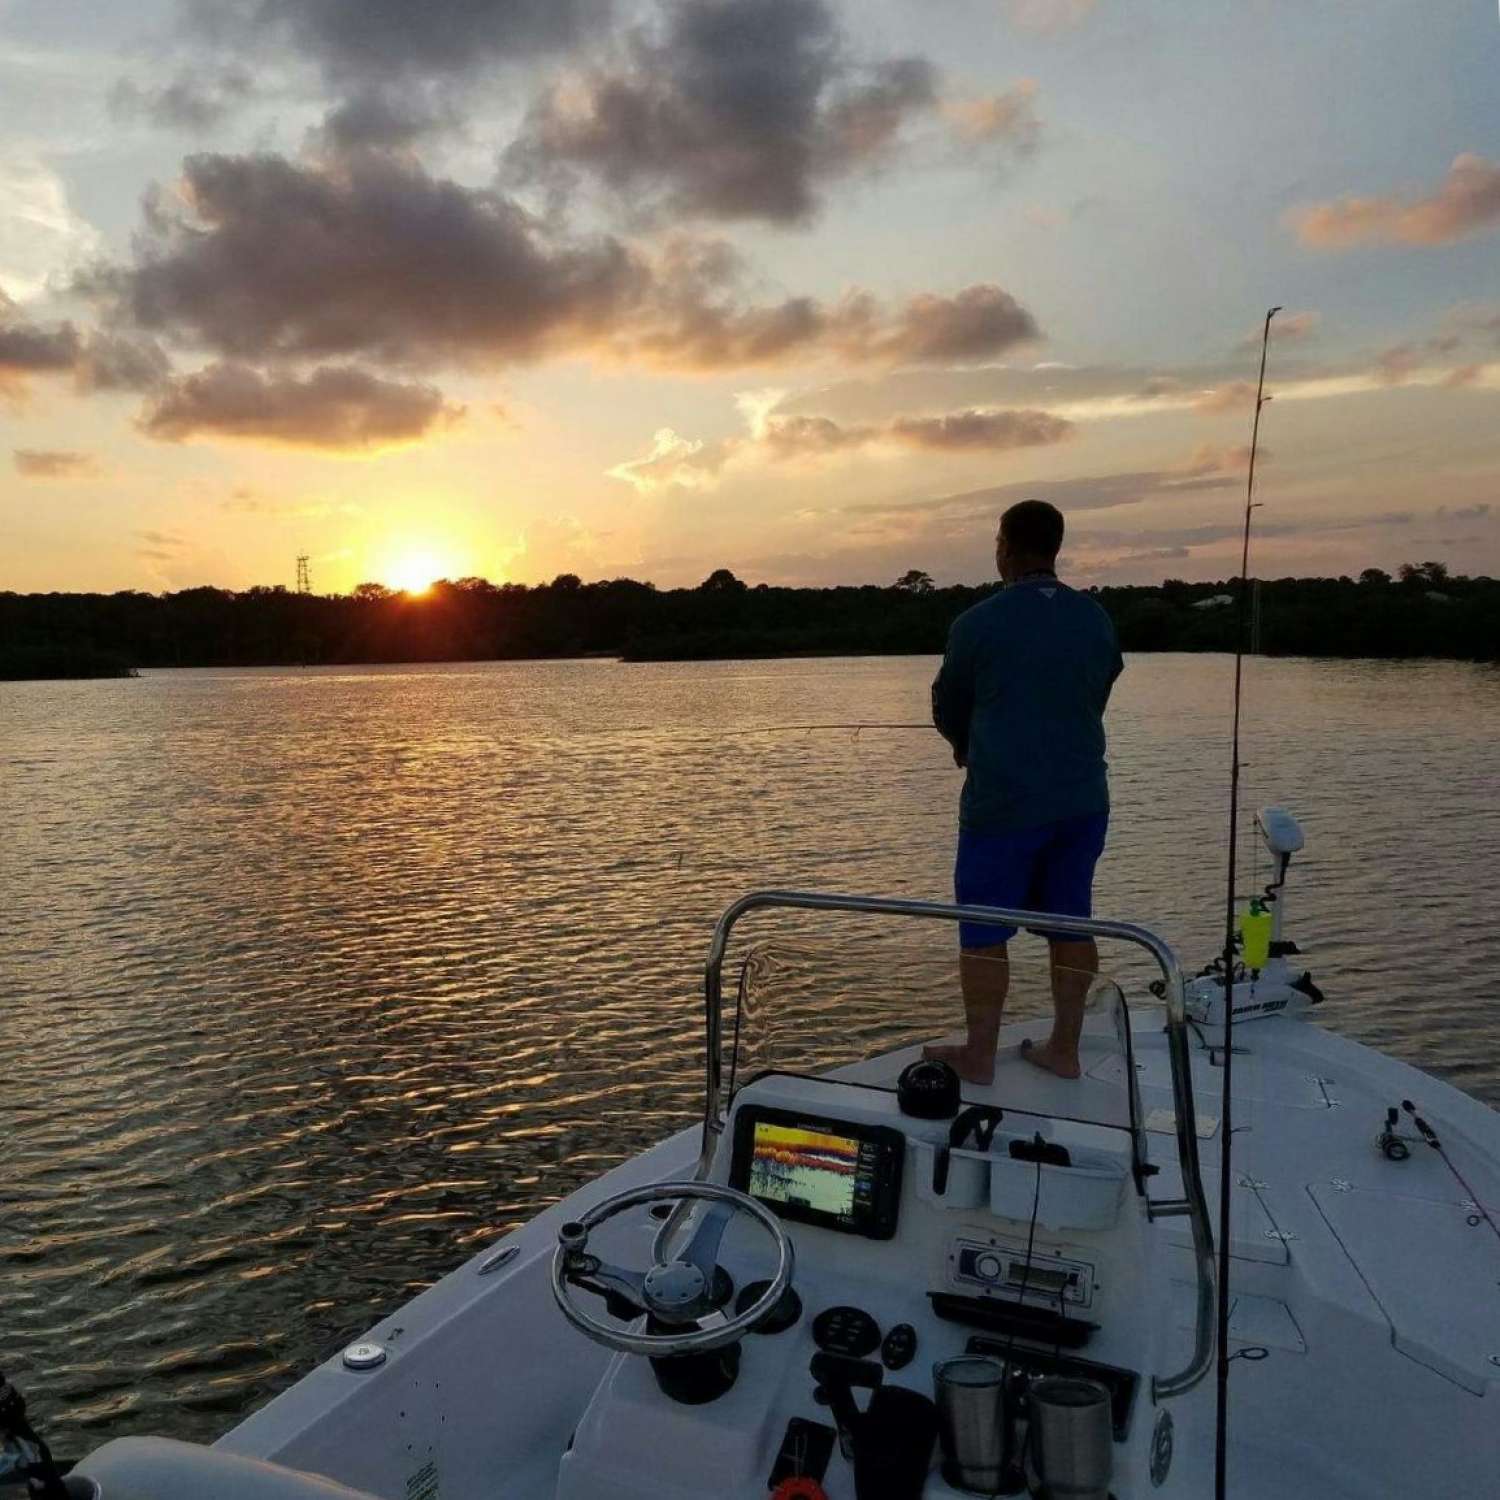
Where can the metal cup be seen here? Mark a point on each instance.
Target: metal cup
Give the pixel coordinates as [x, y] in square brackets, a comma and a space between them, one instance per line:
[1072, 1437]
[970, 1391]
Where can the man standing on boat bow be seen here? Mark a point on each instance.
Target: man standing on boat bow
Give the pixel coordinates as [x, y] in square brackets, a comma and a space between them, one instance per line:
[1021, 698]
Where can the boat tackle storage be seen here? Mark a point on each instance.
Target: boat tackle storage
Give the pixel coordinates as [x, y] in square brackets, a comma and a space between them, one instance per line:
[765, 1301]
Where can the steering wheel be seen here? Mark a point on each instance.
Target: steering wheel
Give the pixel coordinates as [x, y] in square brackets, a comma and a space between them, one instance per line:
[678, 1292]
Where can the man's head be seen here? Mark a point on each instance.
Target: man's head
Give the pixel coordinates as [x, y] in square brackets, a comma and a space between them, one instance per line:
[1031, 534]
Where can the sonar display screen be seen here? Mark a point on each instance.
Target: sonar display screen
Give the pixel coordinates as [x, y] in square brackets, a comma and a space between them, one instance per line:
[808, 1168]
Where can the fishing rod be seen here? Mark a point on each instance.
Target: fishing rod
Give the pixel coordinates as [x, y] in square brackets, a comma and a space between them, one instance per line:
[1226, 1178]
[808, 728]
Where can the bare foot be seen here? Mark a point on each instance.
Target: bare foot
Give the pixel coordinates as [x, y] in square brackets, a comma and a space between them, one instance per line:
[971, 1066]
[1042, 1055]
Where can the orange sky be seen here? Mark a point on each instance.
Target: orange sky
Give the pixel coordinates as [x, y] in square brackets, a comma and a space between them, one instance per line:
[800, 288]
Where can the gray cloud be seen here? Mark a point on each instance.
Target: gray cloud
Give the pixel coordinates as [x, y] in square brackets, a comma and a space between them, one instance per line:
[727, 109]
[98, 361]
[930, 329]
[337, 407]
[195, 101]
[53, 463]
[28, 349]
[1089, 492]
[677, 462]
[110, 361]
[987, 431]
[962, 431]
[362, 41]
[264, 259]
[375, 119]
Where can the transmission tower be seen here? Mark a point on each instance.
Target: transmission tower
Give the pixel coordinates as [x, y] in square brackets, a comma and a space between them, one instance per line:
[304, 583]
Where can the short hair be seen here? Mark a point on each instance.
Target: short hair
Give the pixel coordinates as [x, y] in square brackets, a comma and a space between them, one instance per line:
[1032, 528]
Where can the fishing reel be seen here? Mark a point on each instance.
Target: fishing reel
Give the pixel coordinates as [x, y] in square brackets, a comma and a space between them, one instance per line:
[23, 1455]
[1392, 1145]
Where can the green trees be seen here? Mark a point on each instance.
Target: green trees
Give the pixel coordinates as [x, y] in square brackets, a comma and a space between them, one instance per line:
[476, 620]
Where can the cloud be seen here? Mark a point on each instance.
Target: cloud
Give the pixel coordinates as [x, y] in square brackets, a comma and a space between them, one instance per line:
[1084, 493]
[244, 501]
[383, 120]
[1232, 395]
[263, 259]
[985, 431]
[677, 462]
[1465, 202]
[978, 323]
[1286, 328]
[1463, 375]
[28, 349]
[1208, 458]
[674, 462]
[340, 408]
[359, 41]
[194, 101]
[119, 362]
[726, 109]
[1009, 118]
[99, 361]
[1394, 366]
[41, 238]
[50, 463]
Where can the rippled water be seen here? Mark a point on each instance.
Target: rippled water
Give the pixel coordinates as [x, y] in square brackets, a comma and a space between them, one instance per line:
[311, 981]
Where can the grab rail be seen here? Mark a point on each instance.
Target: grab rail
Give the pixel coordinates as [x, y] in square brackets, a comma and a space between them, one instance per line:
[1193, 1204]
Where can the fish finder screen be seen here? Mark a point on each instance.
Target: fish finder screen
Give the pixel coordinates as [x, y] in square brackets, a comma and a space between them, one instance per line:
[841, 1174]
[810, 1169]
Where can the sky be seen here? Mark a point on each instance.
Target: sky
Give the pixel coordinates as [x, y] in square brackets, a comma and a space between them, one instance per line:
[808, 289]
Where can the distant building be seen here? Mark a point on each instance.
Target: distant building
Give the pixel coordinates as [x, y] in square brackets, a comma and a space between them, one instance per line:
[1214, 601]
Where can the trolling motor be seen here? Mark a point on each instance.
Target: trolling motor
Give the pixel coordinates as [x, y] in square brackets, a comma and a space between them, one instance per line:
[1263, 982]
[23, 1455]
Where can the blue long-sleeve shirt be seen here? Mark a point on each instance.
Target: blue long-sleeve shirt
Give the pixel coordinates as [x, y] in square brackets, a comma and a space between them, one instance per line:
[1021, 698]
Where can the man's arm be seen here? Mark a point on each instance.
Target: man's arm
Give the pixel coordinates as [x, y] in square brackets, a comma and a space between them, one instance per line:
[953, 697]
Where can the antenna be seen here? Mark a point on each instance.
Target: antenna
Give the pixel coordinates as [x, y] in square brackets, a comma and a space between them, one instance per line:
[1226, 1178]
[304, 582]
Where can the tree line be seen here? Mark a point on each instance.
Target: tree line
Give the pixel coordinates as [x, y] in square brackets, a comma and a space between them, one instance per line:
[1422, 611]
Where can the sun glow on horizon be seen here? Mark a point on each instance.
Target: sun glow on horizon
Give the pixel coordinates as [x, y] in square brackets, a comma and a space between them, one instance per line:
[415, 572]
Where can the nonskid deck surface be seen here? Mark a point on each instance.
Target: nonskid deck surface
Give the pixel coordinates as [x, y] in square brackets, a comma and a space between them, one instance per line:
[1405, 1243]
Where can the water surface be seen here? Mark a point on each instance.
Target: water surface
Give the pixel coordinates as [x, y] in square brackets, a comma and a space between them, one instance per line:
[312, 981]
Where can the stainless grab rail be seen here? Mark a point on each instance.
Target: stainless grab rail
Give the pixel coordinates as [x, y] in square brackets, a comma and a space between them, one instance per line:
[1193, 1203]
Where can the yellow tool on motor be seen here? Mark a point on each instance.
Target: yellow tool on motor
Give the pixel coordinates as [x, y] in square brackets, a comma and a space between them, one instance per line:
[1255, 935]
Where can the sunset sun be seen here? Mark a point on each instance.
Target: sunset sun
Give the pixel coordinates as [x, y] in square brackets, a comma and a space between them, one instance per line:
[414, 572]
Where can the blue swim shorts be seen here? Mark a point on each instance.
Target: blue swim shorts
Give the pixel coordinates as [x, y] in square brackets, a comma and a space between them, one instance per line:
[1046, 868]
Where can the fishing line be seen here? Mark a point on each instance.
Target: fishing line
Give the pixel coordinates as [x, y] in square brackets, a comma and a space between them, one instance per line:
[1226, 1125]
[1480, 1213]
[810, 728]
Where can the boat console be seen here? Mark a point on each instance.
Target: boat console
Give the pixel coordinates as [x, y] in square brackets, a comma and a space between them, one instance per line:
[1029, 1253]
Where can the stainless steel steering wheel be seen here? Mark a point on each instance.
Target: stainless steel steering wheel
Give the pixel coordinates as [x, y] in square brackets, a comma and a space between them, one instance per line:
[677, 1292]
